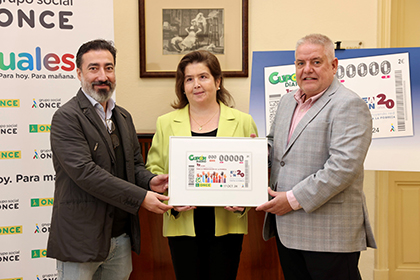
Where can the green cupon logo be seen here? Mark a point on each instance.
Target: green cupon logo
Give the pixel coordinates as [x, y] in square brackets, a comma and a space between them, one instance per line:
[199, 159]
[274, 78]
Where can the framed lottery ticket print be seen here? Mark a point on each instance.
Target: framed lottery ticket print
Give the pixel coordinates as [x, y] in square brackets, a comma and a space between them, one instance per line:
[217, 171]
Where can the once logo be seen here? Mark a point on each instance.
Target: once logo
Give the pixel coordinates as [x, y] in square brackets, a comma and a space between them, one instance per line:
[38, 202]
[9, 130]
[11, 230]
[46, 103]
[9, 103]
[43, 154]
[9, 205]
[10, 257]
[10, 154]
[41, 253]
[39, 128]
[45, 228]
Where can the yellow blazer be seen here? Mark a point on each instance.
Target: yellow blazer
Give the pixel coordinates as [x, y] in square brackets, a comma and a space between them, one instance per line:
[232, 123]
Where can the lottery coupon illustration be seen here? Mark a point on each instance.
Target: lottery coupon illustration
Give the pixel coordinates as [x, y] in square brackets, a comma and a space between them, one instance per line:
[383, 82]
[218, 171]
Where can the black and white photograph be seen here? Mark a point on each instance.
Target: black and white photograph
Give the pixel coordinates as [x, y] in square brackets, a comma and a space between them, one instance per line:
[186, 30]
[168, 30]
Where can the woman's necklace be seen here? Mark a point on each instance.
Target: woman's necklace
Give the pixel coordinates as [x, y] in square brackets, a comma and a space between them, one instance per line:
[200, 126]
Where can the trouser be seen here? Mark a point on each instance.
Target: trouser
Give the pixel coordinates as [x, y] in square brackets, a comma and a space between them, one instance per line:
[117, 265]
[206, 257]
[308, 265]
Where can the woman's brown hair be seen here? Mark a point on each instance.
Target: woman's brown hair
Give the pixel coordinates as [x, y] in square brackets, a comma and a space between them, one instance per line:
[209, 60]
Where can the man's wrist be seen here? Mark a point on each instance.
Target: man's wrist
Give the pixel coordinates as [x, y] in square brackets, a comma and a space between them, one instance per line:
[292, 200]
[148, 184]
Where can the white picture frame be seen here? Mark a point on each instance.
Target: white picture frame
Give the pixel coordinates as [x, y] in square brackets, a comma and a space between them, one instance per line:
[217, 171]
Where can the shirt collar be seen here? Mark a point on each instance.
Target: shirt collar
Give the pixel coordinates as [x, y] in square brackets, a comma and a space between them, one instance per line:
[300, 97]
[99, 108]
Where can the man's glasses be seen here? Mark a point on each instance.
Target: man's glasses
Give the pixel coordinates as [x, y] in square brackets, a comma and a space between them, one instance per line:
[111, 128]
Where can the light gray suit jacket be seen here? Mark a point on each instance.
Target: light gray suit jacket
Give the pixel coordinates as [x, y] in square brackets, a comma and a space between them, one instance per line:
[323, 165]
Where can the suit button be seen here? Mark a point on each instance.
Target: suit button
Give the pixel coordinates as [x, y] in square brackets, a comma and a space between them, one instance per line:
[282, 163]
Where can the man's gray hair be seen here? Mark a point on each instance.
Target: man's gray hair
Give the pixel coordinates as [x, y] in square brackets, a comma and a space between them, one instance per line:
[319, 39]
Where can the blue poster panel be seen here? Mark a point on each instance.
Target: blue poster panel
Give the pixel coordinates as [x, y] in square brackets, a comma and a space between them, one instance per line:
[398, 153]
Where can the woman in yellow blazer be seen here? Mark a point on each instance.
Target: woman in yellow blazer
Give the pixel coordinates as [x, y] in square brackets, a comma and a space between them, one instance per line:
[205, 242]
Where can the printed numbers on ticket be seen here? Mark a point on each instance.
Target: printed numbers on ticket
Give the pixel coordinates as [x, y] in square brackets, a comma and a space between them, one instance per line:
[218, 171]
[383, 82]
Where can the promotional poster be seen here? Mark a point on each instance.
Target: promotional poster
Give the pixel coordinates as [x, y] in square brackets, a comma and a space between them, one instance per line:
[38, 48]
[383, 78]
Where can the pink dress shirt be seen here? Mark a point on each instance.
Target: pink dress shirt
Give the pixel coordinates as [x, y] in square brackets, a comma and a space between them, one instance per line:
[301, 109]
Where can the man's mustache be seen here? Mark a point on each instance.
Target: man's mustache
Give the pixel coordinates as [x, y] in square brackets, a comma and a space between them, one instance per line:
[98, 83]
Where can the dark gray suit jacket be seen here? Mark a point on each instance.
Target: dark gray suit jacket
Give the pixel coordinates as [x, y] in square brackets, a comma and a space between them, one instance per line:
[86, 191]
[323, 165]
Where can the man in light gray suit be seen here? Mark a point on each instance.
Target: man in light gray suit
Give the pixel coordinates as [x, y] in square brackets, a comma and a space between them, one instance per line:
[318, 143]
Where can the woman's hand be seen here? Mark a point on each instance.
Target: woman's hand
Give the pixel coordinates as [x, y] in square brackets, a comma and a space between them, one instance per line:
[159, 183]
[235, 209]
[184, 208]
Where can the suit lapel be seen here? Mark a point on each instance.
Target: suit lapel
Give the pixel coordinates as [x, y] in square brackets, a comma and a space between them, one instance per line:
[181, 122]
[313, 112]
[284, 125]
[123, 129]
[227, 122]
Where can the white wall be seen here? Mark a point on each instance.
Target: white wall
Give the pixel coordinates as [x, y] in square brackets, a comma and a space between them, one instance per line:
[273, 25]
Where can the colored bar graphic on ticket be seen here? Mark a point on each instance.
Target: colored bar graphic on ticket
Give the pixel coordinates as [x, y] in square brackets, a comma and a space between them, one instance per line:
[218, 170]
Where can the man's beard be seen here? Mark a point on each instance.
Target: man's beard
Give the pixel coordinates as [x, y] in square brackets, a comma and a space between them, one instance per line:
[101, 95]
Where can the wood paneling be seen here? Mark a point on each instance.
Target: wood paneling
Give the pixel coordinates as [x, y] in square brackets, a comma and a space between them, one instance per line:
[259, 259]
[405, 23]
[154, 261]
[404, 225]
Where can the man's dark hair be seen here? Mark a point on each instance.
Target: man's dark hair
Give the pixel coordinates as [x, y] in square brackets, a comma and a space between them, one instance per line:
[98, 44]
